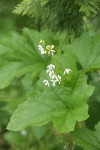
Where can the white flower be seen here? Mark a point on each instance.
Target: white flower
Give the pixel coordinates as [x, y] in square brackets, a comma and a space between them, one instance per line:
[67, 71]
[50, 72]
[46, 49]
[51, 52]
[50, 49]
[40, 47]
[53, 83]
[55, 79]
[50, 67]
[52, 46]
[42, 42]
[59, 77]
[46, 82]
[42, 50]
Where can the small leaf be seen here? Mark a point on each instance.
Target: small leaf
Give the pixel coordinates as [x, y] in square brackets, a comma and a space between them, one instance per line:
[87, 139]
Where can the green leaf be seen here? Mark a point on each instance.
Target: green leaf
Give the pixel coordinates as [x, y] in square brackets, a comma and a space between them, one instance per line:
[16, 69]
[19, 55]
[87, 51]
[8, 72]
[87, 139]
[62, 105]
[65, 60]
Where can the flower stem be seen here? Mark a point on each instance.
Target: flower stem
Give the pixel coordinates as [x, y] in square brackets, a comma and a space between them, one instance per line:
[70, 145]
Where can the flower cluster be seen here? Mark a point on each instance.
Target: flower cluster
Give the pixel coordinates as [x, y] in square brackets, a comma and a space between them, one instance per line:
[46, 49]
[54, 79]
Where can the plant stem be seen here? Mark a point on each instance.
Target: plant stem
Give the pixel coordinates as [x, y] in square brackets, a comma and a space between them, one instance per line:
[70, 145]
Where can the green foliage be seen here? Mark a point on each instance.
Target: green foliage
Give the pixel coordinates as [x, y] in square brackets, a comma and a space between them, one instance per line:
[88, 139]
[29, 4]
[18, 56]
[63, 109]
[43, 2]
[67, 59]
[89, 7]
[59, 15]
[87, 51]
[37, 138]
[94, 102]
[23, 69]
[23, 140]
[23, 58]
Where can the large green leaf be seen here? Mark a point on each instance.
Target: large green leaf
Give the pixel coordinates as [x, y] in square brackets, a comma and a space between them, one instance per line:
[87, 50]
[16, 69]
[89, 140]
[19, 55]
[62, 105]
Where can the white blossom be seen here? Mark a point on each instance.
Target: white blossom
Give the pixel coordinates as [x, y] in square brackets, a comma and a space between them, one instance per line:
[59, 77]
[55, 79]
[42, 50]
[52, 46]
[42, 42]
[51, 52]
[46, 49]
[50, 49]
[54, 83]
[50, 67]
[67, 71]
[50, 72]
[46, 82]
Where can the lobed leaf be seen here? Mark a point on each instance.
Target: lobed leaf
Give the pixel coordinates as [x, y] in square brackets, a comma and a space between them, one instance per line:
[88, 139]
[87, 51]
[18, 56]
[62, 105]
